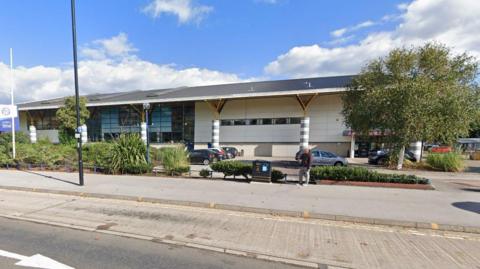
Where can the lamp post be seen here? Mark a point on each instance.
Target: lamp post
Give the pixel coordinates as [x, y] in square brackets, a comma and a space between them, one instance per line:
[77, 96]
[146, 107]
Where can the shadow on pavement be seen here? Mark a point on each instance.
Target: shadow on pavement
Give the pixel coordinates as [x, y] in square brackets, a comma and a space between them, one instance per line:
[469, 206]
[50, 177]
[471, 189]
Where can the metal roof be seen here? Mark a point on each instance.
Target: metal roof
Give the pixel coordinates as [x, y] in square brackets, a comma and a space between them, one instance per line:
[212, 92]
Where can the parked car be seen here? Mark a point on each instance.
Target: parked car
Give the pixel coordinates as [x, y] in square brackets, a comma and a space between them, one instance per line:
[221, 152]
[204, 156]
[380, 157]
[441, 149]
[320, 157]
[231, 152]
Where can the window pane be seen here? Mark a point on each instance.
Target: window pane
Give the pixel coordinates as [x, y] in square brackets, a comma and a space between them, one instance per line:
[266, 121]
[239, 122]
[281, 121]
[226, 122]
[295, 120]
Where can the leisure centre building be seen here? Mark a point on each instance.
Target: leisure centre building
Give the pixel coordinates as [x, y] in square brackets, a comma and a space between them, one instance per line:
[268, 118]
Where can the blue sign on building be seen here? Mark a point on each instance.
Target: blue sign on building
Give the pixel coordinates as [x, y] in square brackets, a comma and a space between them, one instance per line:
[6, 125]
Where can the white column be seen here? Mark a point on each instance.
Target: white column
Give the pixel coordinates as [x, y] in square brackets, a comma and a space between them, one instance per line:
[352, 146]
[143, 132]
[84, 134]
[416, 149]
[304, 132]
[216, 133]
[33, 134]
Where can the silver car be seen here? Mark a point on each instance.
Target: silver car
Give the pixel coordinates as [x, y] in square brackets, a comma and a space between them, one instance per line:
[320, 157]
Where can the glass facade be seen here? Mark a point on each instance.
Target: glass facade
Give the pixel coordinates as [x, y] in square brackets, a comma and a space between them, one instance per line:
[168, 123]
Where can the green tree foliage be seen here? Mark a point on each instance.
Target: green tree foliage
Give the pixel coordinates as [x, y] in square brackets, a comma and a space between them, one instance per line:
[67, 118]
[415, 94]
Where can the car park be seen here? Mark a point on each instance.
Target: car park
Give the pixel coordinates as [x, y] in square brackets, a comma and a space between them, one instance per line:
[231, 152]
[320, 157]
[204, 156]
[380, 157]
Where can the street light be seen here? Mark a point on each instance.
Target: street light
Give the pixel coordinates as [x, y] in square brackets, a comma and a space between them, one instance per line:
[146, 107]
[77, 96]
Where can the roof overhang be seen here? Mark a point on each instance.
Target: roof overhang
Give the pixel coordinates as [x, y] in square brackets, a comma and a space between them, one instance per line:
[199, 98]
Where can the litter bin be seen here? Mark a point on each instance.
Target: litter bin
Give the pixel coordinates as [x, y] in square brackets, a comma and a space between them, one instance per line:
[262, 171]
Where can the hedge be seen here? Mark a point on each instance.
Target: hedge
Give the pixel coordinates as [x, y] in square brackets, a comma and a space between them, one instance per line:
[232, 168]
[363, 175]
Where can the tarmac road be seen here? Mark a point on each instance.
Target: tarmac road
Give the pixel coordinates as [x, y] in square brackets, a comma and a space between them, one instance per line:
[79, 249]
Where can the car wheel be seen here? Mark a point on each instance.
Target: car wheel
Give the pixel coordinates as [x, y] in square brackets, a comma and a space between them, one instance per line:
[381, 161]
[338, 164]
[206, 162]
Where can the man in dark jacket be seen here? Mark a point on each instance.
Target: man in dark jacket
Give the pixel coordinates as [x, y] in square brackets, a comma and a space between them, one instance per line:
[305, 165]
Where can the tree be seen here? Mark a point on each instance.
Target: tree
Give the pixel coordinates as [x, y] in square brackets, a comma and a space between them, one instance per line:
[414, 94]
[67, 118]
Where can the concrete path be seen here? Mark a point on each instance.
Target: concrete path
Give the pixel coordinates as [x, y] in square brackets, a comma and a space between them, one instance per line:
[314, 243]
[437, 207]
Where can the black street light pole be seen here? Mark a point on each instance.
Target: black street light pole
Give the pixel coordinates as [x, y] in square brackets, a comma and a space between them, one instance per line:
[78, 132]
[146, 107]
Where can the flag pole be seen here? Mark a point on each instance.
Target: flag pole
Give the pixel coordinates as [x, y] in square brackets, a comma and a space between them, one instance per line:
[13, 103]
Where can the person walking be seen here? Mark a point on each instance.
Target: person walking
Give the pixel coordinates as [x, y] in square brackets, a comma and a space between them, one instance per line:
[305, 165]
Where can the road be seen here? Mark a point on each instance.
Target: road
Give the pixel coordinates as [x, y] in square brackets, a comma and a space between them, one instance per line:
[324, 243]
[80, 249]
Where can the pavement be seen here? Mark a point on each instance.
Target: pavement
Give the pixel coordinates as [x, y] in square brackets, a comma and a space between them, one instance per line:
[307, 242]
[457, 210]
[82, 249]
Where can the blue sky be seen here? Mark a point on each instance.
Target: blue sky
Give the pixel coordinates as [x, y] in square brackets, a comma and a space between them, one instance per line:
[236, 36]
[142, 44]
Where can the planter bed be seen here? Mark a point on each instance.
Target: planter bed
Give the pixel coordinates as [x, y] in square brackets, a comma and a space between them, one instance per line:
[375, 184]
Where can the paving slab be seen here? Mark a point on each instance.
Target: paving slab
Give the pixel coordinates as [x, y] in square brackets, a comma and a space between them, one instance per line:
[425, 206]
[330, 244]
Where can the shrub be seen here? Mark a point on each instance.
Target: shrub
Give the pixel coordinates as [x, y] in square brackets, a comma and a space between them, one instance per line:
[174, 160]
[128, 155]
[20, 138]
[204, 173]
[42, 153]
[98, 154]
[277, 175]
[363, 175]
[448, 162]
[232, 168]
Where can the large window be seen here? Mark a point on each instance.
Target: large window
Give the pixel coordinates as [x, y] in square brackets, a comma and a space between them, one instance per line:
[172, 123]
[45, 120]
[118, 120]
[264, 121]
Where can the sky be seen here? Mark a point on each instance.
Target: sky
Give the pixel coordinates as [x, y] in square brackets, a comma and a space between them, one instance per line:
[126, 45]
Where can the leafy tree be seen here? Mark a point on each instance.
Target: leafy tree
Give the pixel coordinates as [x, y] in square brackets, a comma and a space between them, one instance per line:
[67, 118]
[415, 94]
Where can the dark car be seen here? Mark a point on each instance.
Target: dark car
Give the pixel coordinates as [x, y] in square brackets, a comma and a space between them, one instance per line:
[231, 152]
[380, 157]
[204, 156]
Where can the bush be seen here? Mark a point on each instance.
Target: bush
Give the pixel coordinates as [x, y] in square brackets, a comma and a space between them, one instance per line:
[277, 175]
[363, 175]
[447, 162]
[42, 153]
[204, 173]
[128, 155]
[98, 154]
[232, 168]
[20, 138]
[174, 160]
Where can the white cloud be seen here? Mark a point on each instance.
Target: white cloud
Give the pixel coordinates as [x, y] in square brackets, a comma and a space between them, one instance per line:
[340, 32]
[117, 69]
[117, 46]
[185, 10]
[453, 22]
